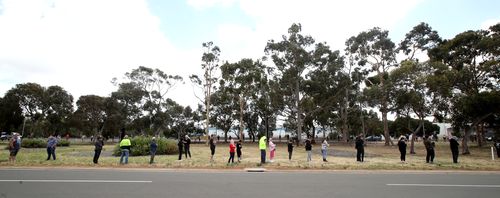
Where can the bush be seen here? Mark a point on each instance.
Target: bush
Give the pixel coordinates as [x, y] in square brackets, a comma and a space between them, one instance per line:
[140, 146]
[63, 142]
[33, 143]
[40, 143]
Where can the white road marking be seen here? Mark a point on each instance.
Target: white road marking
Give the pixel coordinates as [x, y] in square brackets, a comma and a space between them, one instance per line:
[447, 185]
[74, 181]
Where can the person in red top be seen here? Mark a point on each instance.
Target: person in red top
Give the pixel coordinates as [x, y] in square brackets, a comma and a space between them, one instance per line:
[232, 149]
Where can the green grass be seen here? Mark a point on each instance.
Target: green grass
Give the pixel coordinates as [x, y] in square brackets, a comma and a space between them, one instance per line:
[382, 158]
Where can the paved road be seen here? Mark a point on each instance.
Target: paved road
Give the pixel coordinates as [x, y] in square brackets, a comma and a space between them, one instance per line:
[114, 183]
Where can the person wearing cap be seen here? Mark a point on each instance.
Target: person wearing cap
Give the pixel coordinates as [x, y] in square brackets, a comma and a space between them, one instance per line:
[152, 150]
[99, 143]
[187, 143]
[454, 148]
[125, 147]
[402, 148]
[262, 147]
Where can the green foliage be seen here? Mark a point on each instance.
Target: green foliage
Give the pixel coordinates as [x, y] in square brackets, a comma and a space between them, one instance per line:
[405, 126]
[140, 146]
[41, 143]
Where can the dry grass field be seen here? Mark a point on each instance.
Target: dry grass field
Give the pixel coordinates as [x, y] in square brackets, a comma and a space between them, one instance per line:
[340, 157]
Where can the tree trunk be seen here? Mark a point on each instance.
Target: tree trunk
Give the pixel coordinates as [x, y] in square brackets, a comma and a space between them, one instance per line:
[479, 132]
[383, 102]
[465, 147]
[207, 109]
[241, 117]
[345, 132]
[465, 140]
[363, 124]
[299, 112]
[388, 140]
[413, 137]
[313, 135]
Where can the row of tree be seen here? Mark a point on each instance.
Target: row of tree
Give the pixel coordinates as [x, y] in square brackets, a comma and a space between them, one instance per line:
[300, 82]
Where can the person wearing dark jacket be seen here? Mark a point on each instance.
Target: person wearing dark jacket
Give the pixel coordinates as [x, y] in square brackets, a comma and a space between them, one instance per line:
[212, 143]
[99, 143]
[290, 149]
[454, 148]
[180, 145]
[238, 150]
[429, 148]
[497, 147]
[402, 148]
[187, 145]
[360, 149]
[152, 150]
[309, 150]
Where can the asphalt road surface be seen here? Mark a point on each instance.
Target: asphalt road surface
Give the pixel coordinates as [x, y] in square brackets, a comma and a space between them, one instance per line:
[121, 183]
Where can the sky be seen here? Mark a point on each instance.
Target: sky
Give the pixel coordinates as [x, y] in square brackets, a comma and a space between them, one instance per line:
[81, 45]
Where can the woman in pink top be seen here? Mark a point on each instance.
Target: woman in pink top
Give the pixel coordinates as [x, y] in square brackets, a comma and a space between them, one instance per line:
[272, 149]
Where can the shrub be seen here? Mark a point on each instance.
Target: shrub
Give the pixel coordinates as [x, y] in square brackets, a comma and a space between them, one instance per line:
[33, 143]
[63, 142]
[40, 143]
[140, 146]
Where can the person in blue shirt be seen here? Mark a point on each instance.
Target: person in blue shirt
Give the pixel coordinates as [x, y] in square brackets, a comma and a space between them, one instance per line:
[152, 150]
[51, 147]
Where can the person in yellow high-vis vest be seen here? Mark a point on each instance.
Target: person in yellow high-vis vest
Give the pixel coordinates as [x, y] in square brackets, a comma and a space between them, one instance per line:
[125, 147]
[262, 147]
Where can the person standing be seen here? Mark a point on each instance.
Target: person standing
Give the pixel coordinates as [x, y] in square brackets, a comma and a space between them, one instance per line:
[454, 148]
[125, 148]
[152, 150]
[212, 143]
[187, 144]
[238, 150]
[51, 147]
[99, 143]
[497, 147]
[290, 149]
[232, 149]
[262, 147]
[324, 147]
[402, 148]
[180, 145]
[14, 147]
[429, 148]
[272, 150]
[308, 147]
[360, 149]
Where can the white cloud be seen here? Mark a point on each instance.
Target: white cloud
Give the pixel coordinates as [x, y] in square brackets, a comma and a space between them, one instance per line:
[330, 21]
[488, 23]
[82, 45]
